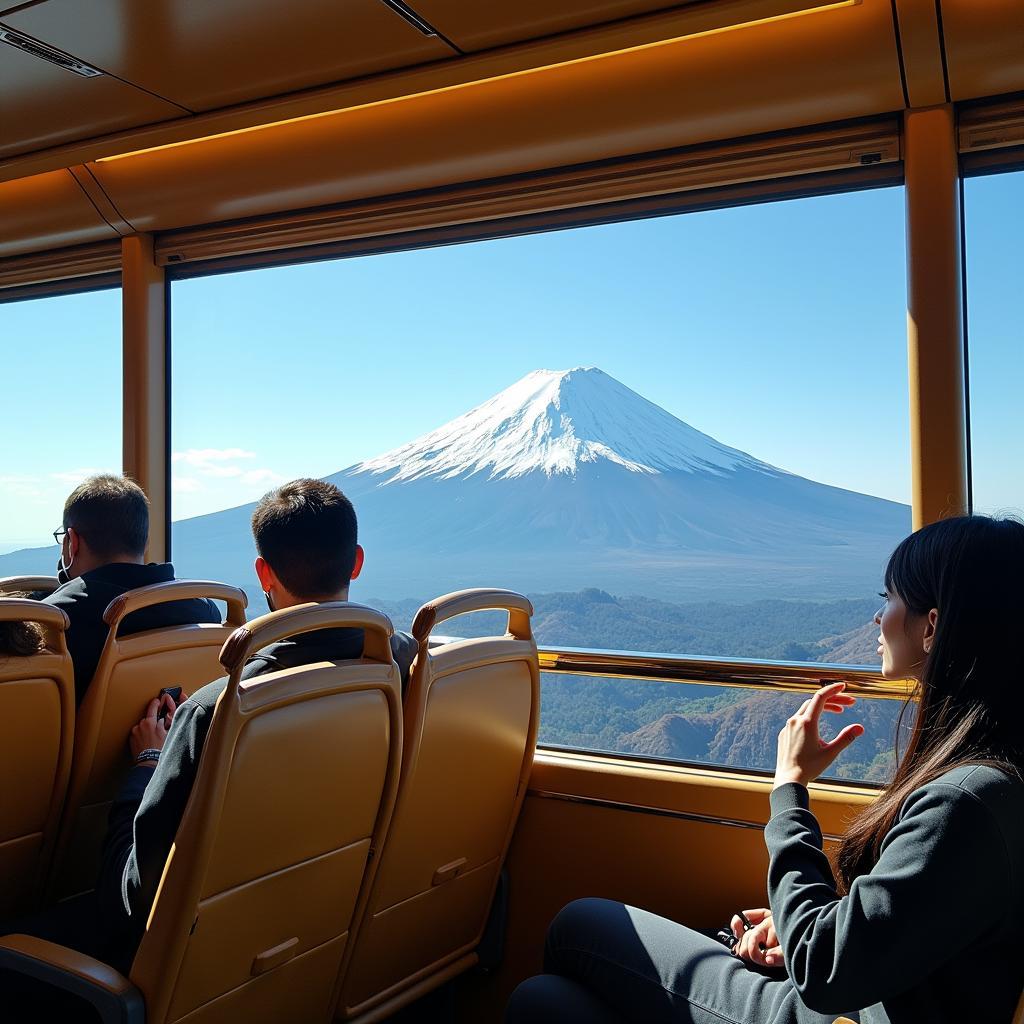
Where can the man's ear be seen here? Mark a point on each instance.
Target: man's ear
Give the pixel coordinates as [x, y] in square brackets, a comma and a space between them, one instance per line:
[265, 574]
[74, 543]
[357, 566]
[929, 630]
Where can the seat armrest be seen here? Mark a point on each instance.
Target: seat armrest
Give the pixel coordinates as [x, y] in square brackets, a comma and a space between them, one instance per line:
[113, 996]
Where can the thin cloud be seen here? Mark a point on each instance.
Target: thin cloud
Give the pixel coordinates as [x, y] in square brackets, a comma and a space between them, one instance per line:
[263, 476]
[21, 486]
[217, 462]
[202, 470]
[73, 477]
[201, 456]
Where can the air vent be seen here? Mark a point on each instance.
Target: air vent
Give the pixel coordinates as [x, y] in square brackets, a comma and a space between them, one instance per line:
[48, 53]
[411, 16]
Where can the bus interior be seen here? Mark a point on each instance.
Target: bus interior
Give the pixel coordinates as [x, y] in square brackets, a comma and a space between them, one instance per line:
[659, 314]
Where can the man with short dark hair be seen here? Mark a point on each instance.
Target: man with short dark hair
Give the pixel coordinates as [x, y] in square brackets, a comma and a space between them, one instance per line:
[306, 537]
[102, 555]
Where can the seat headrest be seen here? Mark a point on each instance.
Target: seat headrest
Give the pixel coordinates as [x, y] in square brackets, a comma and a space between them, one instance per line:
[22, 609]
[305, 618]
[177, 590]
[53, 620]
[481, 599]
[29, 584]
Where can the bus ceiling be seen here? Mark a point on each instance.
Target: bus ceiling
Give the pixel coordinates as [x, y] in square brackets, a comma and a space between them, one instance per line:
[159, 118]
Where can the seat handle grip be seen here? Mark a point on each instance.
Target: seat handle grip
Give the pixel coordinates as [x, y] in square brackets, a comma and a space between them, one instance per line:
[304, 618]
[274, 957]
[462, 602]
[447, 872]
[29, 584]
[177, 590]
[23, 609]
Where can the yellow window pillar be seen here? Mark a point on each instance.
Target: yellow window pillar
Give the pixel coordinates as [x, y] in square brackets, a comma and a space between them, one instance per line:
[146, 377]
[935, 329]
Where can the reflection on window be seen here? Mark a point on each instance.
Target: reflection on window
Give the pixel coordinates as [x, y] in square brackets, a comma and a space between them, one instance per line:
[994, 209]
[64, 416]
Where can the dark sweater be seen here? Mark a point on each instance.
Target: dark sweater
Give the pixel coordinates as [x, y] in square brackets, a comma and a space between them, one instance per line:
[931, 933]
[145, 816]
[85, 599]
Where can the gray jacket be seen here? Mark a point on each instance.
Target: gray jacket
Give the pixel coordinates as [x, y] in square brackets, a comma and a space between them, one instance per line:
[931, 933]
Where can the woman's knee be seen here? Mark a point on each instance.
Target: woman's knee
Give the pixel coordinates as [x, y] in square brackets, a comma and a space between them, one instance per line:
[549, 999]
[585, 929]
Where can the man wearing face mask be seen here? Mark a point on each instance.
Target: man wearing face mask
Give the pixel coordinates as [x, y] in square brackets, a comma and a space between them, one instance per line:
[305, 535]
[102, 555]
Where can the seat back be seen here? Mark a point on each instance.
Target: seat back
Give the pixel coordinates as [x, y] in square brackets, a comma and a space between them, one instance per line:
[470, 731]
[37, 722]
[38, 586]
[295, 789]
[131, 672]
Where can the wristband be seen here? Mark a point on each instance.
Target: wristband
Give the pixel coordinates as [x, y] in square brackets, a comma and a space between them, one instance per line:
[150, 754]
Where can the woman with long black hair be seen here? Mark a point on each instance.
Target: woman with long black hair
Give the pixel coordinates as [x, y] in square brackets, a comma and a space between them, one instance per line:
[921, 919]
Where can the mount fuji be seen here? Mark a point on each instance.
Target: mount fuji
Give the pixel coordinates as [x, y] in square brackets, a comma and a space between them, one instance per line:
[569, 480]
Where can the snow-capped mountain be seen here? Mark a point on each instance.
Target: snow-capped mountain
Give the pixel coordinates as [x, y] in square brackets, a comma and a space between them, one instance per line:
[555, 421]
[567, 480]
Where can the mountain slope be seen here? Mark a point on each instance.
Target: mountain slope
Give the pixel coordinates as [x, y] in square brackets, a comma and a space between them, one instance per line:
[557, 422]
[568, 480]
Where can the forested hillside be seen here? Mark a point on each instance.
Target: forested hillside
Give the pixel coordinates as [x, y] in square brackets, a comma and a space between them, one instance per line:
[707, 724]
[688, 722]
[822, 631]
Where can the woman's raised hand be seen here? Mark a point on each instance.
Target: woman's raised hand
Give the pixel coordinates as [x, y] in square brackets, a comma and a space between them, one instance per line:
[802, 754]
[758, 944]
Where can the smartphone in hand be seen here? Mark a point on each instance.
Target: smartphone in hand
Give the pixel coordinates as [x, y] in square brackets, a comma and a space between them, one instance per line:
[174, 692]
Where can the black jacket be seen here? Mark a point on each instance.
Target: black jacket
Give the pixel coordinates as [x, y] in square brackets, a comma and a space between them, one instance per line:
[145, 815]
[931, 932]
[86, 598]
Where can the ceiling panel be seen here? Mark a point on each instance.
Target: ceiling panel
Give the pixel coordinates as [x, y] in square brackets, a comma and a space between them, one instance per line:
[43, 105]
[834, 65]
[205, 54]
[984, 47]
[47, 211]
[478, 25]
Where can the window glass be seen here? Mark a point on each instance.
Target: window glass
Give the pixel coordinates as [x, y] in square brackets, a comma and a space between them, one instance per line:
[994, 211]
[719, 725]
[685, 434]
[62, 359]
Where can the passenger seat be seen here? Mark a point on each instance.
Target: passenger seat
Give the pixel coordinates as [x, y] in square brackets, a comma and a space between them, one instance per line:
[294, 794]
[131, 672]
[37, 723]
[470, 731]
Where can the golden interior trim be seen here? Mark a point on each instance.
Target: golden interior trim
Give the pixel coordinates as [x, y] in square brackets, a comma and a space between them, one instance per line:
[658, 812]
[788, 677]
[819, 8]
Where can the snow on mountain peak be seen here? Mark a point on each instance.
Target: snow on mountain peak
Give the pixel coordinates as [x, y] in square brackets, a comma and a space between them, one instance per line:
[554, 421]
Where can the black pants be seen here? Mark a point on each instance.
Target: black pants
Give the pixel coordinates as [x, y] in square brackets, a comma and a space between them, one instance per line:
[607, 963]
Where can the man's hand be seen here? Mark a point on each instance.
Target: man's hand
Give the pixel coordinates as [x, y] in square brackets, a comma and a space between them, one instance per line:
[759, 944]
[151, 732]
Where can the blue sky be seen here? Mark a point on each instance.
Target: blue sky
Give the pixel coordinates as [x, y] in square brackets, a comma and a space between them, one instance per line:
[778, 329]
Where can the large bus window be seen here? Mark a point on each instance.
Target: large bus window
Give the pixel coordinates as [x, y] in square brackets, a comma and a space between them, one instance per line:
[684, 435]
[62, 359]
[994, 211]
